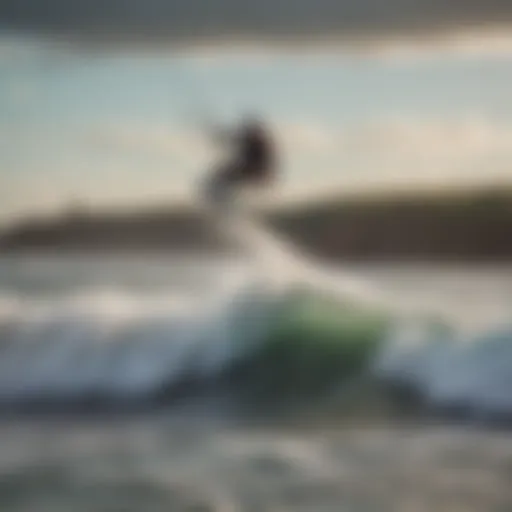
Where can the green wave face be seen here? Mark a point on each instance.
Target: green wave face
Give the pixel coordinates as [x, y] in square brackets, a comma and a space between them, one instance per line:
[314, 345]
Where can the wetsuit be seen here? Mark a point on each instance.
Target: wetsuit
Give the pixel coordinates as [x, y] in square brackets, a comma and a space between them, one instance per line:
[254, 163]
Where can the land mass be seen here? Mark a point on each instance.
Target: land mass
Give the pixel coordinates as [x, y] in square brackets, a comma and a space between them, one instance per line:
[455, 225]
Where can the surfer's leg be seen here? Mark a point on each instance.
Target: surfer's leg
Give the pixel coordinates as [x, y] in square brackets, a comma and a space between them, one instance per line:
[216, 192]
[219, 186]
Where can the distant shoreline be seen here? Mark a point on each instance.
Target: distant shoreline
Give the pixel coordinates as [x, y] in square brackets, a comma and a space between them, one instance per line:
[473, 224]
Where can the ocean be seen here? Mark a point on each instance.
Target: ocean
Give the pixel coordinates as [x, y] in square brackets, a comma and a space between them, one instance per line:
[203, 384]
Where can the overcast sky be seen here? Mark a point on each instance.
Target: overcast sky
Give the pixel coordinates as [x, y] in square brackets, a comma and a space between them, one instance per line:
[217, 18]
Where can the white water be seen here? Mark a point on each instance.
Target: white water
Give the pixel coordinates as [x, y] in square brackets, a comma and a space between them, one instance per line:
[71, 329]
[285, 266]
[118, 345]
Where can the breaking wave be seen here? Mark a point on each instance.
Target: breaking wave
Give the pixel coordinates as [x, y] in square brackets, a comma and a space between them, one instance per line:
[283, 332]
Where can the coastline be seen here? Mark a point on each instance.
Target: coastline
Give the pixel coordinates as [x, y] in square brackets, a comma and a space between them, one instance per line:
[441, 225]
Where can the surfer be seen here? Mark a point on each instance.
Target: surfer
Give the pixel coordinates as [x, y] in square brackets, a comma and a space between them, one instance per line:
[252, 161]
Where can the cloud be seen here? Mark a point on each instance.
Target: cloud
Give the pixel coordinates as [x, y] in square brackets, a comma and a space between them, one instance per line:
[196, 19]
[306, 137]
[402, 137]
[466, 137]
[459, 42]
[152, 139]
[410, 138]
[164, 141]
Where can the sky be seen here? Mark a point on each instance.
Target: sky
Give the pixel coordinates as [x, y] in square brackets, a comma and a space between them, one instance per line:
[124, 125]
[173, 19]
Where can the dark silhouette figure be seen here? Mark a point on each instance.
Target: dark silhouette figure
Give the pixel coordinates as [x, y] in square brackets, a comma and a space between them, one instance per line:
[252, 162]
